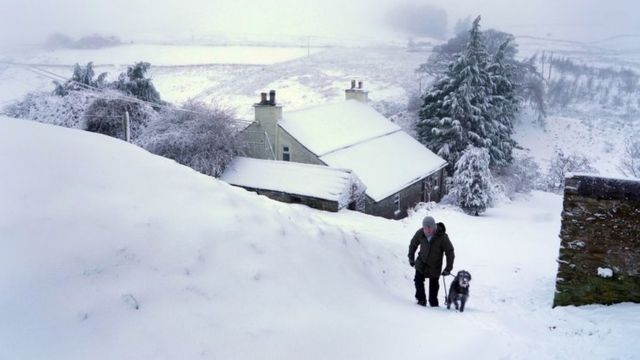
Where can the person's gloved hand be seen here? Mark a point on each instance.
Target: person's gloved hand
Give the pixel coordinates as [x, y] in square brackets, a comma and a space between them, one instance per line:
[446, 272]
[412, 263]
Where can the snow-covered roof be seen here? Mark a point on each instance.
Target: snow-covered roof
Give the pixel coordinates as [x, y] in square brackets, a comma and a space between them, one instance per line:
[352, 135]
[316, 181]
[388, 163]
[326, 128]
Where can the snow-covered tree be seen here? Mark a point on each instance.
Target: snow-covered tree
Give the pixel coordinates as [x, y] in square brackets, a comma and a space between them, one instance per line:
[197, 135]
[630, 163]
[561, 165]
[530, 82]
[504, 107]
[136, 83]
[82, 78]
[456, 110]
[472, 182]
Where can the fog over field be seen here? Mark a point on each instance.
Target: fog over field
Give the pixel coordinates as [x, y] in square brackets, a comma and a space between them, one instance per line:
[31, 21]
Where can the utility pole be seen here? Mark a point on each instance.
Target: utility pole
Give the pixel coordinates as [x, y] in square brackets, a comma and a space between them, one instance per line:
[127, 127]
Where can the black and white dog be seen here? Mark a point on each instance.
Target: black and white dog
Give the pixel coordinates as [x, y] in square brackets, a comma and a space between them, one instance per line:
[459, 290]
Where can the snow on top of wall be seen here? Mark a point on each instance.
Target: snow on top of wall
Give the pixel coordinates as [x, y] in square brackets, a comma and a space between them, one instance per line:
[330, 127]
[316, 181]
[571, 175]
[387, 164]
[605, 272]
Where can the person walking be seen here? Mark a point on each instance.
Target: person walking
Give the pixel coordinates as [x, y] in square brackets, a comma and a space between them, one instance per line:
[434, 242]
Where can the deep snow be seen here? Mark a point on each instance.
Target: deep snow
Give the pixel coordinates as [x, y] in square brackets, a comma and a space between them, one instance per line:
[92, 228]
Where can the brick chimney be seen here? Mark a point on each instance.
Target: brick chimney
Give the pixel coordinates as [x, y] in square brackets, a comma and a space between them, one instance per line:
[356, 93]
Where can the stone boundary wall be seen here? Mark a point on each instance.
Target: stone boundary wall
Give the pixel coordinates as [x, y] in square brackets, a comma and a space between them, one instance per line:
[599, 259]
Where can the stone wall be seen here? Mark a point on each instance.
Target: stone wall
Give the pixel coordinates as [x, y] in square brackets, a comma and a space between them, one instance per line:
[409, 197]
[599, 258]
[320, 204]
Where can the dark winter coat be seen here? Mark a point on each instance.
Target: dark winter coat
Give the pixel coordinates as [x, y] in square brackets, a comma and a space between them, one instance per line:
[429, 261]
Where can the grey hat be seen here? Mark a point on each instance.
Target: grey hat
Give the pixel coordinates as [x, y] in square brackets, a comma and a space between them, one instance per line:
[428, 221]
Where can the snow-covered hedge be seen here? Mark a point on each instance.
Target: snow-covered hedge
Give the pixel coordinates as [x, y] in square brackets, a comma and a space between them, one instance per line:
[197, 135]
[106, 116]
[52, 109]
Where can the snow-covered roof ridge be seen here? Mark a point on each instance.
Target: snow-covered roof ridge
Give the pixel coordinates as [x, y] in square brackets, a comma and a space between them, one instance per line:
[328, 127]
[318, 181]
[351, 134]
[387, 164]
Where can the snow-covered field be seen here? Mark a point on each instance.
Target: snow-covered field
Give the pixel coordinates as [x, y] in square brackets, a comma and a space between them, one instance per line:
[109, 252]
[303, 81]
[170, 55]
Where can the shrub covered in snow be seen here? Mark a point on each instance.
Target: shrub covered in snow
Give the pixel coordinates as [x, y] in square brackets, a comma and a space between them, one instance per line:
[106, 115]
[47, 108]
[472, 184]
[199, 136]
[561, 165]
[521, 176]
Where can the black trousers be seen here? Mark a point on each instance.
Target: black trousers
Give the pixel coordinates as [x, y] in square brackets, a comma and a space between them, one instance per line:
[434, 287]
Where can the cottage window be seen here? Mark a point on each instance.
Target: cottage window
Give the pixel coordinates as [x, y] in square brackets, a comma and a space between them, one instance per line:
[286, 154]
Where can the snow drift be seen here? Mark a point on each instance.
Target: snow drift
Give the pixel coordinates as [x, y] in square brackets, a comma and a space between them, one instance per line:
[109, 252]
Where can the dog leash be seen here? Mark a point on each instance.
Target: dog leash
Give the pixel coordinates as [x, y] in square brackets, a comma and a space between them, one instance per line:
[446, 297]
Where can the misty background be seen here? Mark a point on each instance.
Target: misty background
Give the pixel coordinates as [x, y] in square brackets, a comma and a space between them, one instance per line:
[29, 22]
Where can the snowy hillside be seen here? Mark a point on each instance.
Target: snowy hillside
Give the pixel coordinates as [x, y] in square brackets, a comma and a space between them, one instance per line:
[109, 252]
[587, 127]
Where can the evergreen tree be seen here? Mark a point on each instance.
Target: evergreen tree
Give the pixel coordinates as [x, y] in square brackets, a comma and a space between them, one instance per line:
[504, 107]
[471, 185]
[457, 109]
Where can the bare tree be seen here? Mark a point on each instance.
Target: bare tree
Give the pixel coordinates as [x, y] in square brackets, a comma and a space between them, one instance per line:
[630, 163]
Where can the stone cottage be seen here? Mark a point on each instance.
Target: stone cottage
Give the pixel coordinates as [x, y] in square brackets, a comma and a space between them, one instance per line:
[397, 171]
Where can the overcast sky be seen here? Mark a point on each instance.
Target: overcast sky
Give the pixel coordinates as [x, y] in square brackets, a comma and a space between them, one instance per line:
[30, 21]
